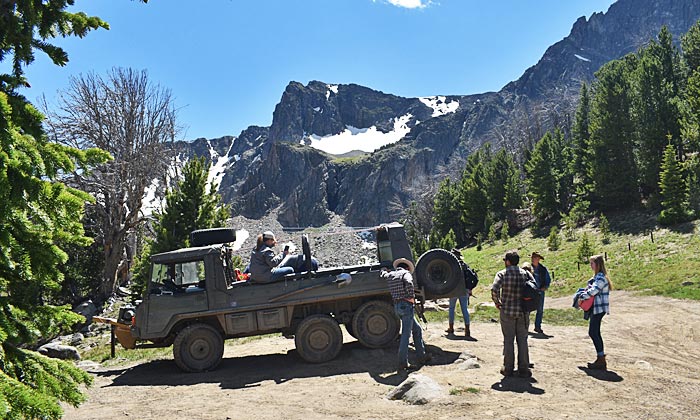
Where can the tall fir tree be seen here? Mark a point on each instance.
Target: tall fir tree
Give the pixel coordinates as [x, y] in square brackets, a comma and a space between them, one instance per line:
[674, 190]
[655, 107]
[473, 200]
[192, 204]
[446, 215]
[612, 167]
[38, 212]
[580, 147]
[541, 179]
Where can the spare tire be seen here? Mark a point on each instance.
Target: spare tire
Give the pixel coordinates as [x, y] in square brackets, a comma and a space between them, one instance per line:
[438, 272]
[203, 237]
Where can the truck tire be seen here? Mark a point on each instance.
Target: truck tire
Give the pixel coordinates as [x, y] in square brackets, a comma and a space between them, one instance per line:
[203, 237]
[306, 250]
[318, 338]
[375, 324]
[198, 348]
[438, 272]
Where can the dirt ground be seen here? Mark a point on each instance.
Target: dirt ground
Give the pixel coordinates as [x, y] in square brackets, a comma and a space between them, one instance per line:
[653, 347]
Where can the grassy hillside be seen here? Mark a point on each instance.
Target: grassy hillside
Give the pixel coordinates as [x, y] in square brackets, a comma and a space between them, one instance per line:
[668, 266]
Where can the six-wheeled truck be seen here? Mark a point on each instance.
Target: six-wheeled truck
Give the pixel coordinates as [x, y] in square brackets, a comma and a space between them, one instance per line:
[193, 301]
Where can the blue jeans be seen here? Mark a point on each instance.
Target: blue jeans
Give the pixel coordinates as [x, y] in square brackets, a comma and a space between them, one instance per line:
[594, 332]
[540, 311]
[464, 304]
[280, 272]
[408, 325]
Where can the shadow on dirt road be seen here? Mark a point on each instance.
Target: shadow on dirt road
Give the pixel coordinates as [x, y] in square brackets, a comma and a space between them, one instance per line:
[250, 371]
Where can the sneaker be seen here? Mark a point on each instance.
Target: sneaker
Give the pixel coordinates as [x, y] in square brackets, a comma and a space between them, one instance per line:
[506, 371]
[524, 373]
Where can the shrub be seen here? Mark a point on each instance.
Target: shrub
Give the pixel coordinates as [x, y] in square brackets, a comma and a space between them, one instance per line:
[553, 241]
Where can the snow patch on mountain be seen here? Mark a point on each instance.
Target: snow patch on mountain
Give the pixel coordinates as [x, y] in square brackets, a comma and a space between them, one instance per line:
[364, 139]
[155, 193]
[219, 165]
[582, 58]
[440, 105]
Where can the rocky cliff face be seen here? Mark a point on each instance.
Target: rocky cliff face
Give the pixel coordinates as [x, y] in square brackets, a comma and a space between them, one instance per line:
[274, 168]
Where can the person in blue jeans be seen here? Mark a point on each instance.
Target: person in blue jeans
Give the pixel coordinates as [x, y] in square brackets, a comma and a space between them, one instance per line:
[543, 280]
[400, 282]
[463, 303]
[598, 287]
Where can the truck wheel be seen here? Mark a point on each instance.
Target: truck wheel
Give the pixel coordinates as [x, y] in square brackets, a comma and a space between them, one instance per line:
[318, 338]
[204, 237]
[375, 324]
[438, 272]
[197, 348]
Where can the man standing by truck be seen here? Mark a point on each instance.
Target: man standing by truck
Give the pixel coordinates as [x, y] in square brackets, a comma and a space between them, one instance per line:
[400, 283]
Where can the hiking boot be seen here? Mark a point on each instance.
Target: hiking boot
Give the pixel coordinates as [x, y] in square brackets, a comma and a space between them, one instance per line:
[450, 329]
[599, 363]
[425, 358]
[538, 330]
[506, 371]
[407, 367]
[525, 373]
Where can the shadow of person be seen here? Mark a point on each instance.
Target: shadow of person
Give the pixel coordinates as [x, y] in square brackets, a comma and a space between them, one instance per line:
[519, 385]
[602, 375]
[459, 338]
[539, 336]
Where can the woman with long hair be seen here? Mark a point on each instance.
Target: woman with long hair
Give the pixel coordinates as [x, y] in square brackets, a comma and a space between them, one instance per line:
[599, 287]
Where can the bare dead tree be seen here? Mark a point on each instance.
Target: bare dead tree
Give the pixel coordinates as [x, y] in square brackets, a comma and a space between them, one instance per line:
[129, 117]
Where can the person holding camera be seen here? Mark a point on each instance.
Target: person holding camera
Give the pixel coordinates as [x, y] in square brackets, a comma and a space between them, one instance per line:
[264, 264]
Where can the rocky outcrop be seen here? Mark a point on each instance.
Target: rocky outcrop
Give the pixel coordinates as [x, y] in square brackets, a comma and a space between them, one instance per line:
[271, 168]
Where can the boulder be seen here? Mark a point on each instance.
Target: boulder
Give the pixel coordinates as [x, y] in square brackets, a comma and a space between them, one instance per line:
[59, 351]
[417, 389]
[86, 309]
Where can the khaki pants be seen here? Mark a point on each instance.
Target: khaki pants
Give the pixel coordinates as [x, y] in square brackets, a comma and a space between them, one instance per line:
[515, 329]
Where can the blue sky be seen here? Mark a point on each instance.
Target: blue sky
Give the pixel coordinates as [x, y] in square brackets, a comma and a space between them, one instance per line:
[227, 62]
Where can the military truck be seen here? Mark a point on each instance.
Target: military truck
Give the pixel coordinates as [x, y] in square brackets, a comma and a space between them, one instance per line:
[193, 301]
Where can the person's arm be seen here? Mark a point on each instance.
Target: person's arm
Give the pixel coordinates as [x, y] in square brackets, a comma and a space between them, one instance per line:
[547, 279]
[595, 287]
[270, 259]
[496, 290]
[409, 284]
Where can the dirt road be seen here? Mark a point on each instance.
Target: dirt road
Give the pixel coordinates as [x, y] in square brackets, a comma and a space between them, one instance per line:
[653, 347]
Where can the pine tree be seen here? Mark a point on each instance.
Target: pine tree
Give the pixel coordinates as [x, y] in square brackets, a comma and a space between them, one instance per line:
[655, 107]
[473, 202]
[449, 241]
[504, 232]
[553, 241]
[690, 44]
[190, 205]
[604, 226]
[446, 215]
[674, 190]
[585, 249]
[37, 213]
[611, 167]
[580, 147]
[542, 179]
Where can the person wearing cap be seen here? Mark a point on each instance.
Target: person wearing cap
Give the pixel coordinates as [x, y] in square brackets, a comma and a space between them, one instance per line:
[264, 264]
[402, 292]
[463, 302]
[506, 293]
[543, 280]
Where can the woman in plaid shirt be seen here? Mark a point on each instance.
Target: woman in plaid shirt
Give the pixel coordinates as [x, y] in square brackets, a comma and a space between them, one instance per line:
[599, 288]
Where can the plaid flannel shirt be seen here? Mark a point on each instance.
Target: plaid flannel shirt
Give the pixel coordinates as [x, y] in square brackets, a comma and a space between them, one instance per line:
[599, 288]
[400, 284]
[506, 290]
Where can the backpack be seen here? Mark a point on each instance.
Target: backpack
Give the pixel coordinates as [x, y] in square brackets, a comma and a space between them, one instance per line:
[471, 279]
[530, 296]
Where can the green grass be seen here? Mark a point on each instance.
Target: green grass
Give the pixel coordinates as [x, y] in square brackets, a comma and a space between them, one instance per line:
[460, 390]
[561, 317]
[669, 266]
